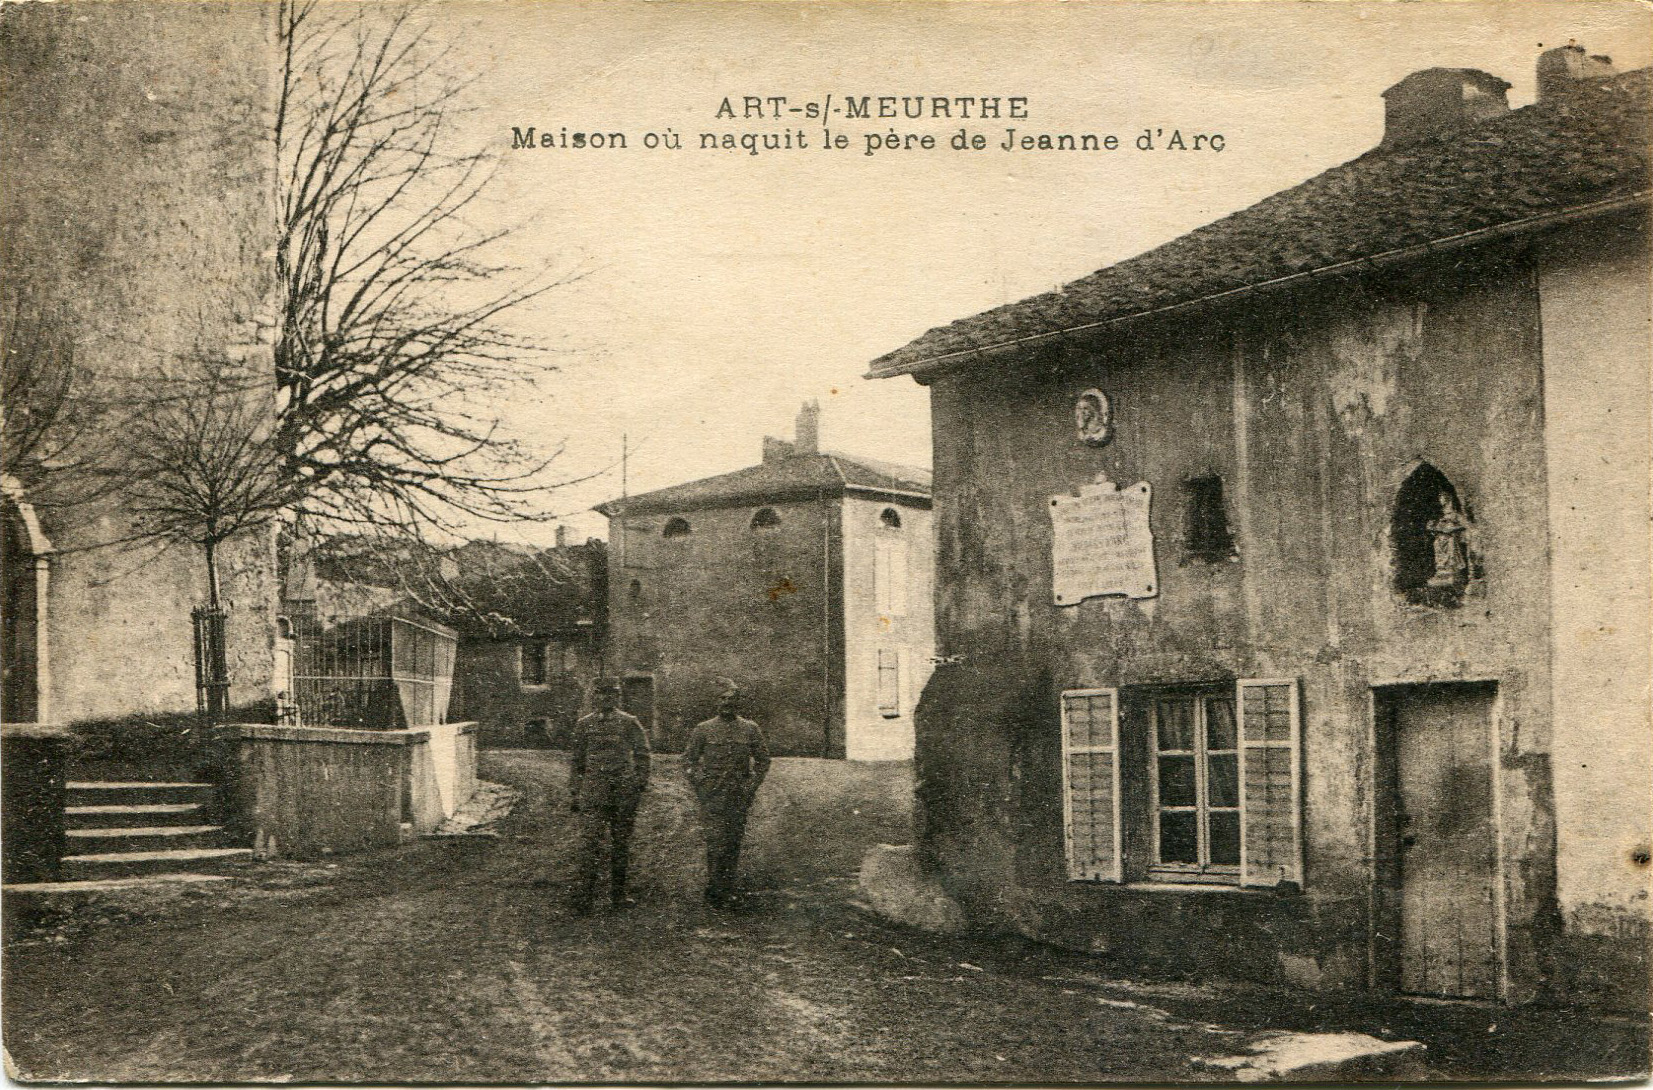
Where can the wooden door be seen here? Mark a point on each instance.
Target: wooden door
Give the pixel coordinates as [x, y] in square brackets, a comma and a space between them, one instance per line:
[1446, 849]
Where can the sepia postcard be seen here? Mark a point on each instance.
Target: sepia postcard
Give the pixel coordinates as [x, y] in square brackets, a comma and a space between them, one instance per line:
[931, 542]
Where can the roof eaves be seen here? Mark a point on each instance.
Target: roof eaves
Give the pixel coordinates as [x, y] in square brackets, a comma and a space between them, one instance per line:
[930, 365]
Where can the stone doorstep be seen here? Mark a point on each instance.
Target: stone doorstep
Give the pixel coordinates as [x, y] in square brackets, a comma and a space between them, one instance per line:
[94, 884]
[1319, 1057]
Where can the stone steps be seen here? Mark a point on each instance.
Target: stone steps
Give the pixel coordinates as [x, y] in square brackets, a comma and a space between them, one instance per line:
[142, 838]
[119, 829]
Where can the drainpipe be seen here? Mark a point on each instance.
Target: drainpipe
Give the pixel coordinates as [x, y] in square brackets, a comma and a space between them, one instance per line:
[826, 624]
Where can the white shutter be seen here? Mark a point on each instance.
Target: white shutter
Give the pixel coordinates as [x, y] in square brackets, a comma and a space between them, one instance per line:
[1271, 779]
[1090, 783]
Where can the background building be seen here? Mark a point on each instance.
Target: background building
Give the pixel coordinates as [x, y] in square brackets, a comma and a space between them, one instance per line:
[805, 579]
[1299, 571]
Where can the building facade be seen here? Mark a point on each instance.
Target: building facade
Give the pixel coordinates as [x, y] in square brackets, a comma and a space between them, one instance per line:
[806, 580]
[1297, 572]
[526, 666]
[137, 220]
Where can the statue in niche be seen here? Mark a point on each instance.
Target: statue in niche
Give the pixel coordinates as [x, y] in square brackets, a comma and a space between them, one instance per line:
[1447, 535]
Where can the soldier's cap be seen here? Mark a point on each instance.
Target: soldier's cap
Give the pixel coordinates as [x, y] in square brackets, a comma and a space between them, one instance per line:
[606, 685]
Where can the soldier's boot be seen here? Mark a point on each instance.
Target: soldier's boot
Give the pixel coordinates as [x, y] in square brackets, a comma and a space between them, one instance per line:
[617, 866]
[714, 877]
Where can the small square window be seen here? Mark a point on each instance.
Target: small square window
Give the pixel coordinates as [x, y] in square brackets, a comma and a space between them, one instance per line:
[1206, 534]
[534, 662]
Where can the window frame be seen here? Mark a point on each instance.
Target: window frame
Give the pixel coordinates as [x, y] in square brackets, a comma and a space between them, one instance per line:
[1203, 870]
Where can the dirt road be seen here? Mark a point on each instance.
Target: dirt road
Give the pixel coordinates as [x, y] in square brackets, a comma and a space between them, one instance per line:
[452, 961]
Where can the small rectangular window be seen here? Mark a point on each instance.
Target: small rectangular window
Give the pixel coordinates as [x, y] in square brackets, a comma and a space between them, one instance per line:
[533, 662]
[889, 684]
[1207, 535]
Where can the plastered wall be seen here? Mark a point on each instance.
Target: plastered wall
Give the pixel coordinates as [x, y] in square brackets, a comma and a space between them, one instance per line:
[137, 193]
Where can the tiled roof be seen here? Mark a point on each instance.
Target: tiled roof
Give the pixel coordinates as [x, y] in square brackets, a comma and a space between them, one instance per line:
[1588, 146]
[787, 477]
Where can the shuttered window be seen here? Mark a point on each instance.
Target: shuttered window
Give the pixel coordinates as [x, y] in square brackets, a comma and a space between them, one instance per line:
[1218, 773]
[1271, 825]
[889, 683]
[890, 576]
[1090, 783]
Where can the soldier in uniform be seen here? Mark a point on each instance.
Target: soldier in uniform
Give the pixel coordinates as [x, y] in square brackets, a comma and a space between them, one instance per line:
[725, 761]
[608, 771]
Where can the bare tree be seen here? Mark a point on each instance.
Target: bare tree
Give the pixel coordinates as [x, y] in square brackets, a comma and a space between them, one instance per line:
[202, 466]
[53, 439]
[392, 354]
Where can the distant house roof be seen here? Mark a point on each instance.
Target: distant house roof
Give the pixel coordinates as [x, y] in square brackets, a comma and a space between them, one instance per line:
[1581, 152]
[794, 476]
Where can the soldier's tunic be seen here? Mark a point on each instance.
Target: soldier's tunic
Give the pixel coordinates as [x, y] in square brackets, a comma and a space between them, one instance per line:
[610, 768]
[726, 759]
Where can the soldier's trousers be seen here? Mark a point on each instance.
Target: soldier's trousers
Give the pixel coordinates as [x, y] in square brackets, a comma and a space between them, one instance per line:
[723, 823]
[608, 810]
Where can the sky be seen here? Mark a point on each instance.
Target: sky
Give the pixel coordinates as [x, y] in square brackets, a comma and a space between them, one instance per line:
[717, 290]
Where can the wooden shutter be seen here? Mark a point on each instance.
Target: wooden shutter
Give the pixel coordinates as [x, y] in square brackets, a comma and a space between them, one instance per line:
[889, 684]
[1271, 777]
[1090, 783]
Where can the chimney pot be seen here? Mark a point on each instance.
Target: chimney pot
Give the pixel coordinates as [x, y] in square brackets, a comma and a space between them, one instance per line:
[807, 431]
[1561, 69]
[775, 450]
[1439, 102]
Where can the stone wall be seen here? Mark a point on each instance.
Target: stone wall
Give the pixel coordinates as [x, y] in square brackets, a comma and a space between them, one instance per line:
[1596, 294]
[136, 198]
[757, 606]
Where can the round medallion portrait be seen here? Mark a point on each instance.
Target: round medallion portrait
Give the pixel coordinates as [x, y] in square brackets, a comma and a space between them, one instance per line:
[1093, 417]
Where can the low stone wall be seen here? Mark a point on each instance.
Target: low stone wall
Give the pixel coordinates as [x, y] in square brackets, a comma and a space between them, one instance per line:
[31, 800]
[307, 792]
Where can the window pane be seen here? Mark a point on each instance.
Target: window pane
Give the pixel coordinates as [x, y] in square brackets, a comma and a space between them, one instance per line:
[1178, 841]
[1176, 781]
[1176, 724]
[1225, 837]
[1219, 723]
[1222, 782]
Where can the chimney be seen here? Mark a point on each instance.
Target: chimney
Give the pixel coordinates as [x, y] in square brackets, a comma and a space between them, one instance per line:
[807, 431]
[562, 537]
[775, 450]
[1561, 69]
[1438, 102]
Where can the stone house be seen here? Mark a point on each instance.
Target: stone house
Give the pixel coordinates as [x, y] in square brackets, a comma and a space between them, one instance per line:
[1297, 571]
[137, 216]
[805, 579]
[525, 668]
